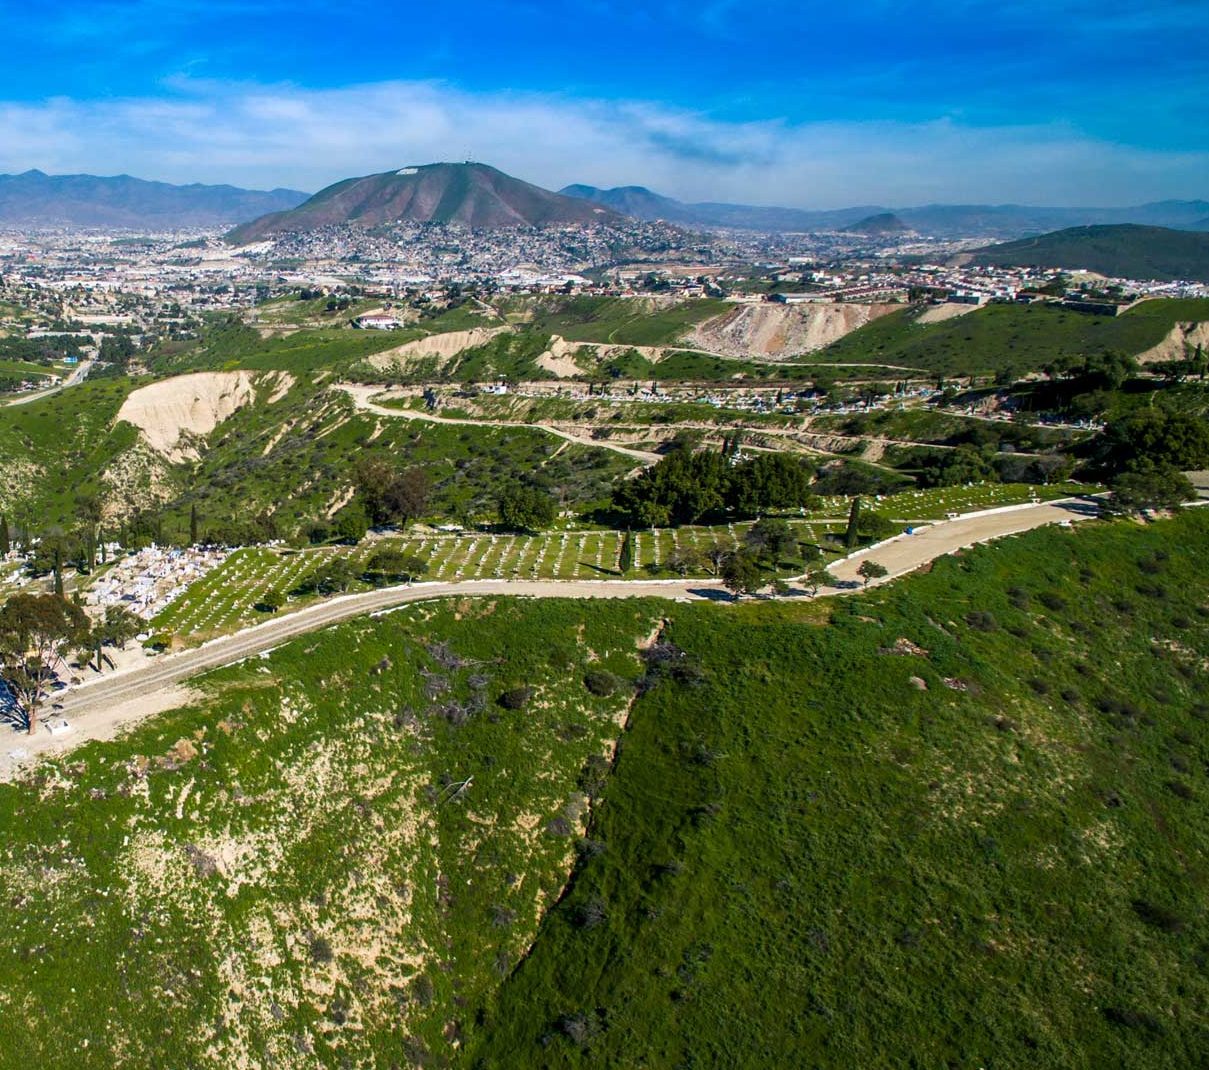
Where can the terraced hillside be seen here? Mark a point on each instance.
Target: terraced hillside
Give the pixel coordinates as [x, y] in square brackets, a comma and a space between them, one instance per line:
[953, 820]
[250, 446]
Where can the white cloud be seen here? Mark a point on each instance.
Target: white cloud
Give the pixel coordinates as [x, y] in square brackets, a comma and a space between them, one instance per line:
[257, 135]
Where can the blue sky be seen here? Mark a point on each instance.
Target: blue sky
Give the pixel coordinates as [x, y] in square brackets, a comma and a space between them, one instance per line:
[808, 104]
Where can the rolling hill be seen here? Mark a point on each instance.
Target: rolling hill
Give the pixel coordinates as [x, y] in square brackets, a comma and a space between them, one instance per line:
[1122, 251]
[35, 198]
[954, 821]
[471, 194]
[642, 203]
[878, 225]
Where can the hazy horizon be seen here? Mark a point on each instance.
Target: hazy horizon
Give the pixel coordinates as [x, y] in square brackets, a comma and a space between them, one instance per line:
[1066, 104]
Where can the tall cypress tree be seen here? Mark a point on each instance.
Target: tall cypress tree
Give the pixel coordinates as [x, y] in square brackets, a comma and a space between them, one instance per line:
[58, 570]
[5, 544]
[854, 515]
[625, 556]
[193, 524]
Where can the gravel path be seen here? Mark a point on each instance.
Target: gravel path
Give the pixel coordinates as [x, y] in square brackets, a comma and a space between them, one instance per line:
[361, 396]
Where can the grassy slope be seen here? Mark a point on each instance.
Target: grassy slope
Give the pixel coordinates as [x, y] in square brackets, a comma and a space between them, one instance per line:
[1015, 338]
[311, 463]
[928, 426]
[276, 876]
[807, 861]
[55, 449]
[621, 321]
[24, 368]
[231, 346]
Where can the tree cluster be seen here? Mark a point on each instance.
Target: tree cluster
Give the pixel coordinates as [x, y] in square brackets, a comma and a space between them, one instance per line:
[37, 633]
[687, 488]
[1156, 437]
[522, 507]
[391, 495]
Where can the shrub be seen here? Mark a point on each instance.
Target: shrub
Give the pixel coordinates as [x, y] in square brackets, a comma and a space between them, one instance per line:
[1158, 916]
[579, 1028]
[321, 950]
[1128, 1018]
[516, 698]
[590, 913]
[502, 917]
[601, 683]
[587, 849]
[422, 990]
[594, 775]
[982, 621]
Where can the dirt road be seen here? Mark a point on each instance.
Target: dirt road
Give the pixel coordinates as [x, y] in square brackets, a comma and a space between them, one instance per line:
[906, 553]
[361, 396]
[95, 709]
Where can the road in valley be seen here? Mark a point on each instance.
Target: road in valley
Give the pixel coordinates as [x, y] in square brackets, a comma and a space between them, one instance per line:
[74, 379]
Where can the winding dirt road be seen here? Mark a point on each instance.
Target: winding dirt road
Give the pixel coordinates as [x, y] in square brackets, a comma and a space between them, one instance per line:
[362, 396]
[97, 709]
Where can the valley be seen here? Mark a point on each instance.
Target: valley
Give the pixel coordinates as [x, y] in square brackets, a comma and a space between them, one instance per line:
[477, 641]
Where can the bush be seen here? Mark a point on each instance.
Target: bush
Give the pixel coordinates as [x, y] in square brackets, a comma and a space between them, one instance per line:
[601, 683]
[982, 621]
[594, 775]
[422, 990]
[1128, 1018]
[589, 914]
[1158, 916]
[516, 698]
[579, 1028]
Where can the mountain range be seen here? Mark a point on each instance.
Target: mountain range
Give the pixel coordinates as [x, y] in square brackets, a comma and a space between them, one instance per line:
[471, 194]
[940, 220]
[37, 199]
[476, 195]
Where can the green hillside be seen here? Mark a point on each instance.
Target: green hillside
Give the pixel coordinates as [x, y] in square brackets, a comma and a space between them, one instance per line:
[1125, 250]
[287, 873]
[956, 821]
[53, 452]
[1014, 339]
[804, 859]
